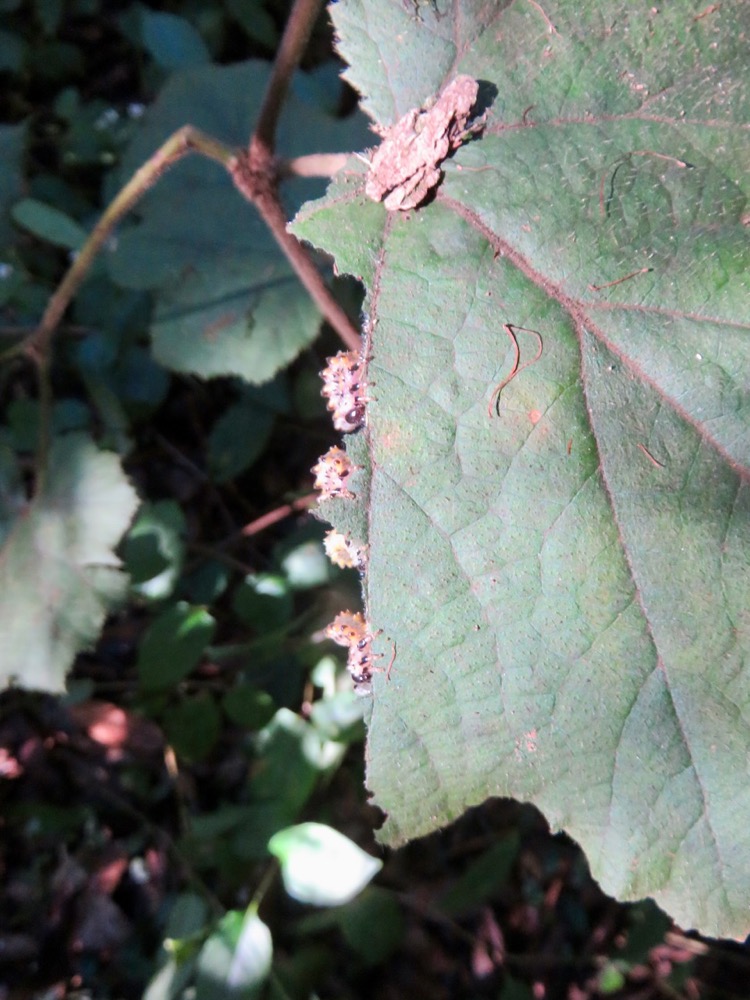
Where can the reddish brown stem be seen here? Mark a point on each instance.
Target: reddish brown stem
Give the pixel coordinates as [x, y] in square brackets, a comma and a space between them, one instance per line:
[308, 274]
[293, 43]
[274, 516]
[254, 175]
[257, 172]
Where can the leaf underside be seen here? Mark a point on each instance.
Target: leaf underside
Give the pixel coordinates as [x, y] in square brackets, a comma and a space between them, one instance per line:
[59, 576]
[566, 582]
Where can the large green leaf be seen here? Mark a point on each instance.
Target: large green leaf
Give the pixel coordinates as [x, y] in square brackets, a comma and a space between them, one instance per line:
[58, 574]
[228, 301]
[567, 581]
[171, 40]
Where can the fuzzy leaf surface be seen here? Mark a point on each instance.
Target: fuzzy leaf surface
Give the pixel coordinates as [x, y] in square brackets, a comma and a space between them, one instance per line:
[567, 581]
[59, 576]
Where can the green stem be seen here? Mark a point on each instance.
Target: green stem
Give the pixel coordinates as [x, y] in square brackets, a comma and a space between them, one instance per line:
[269, 876]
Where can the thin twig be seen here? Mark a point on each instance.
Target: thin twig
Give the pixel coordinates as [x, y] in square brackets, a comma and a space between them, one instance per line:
[185, 140]
[36, 345]
[550, 26]
[293, 44]
[274, 516]
[254, 175]
[273, 216]
[266, 881]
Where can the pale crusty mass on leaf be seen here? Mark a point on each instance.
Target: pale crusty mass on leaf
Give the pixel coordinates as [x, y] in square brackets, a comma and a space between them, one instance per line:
[405, 168]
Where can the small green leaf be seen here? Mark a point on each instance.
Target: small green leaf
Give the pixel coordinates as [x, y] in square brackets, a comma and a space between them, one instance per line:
[290, 749]
[49, 224]
[321, 866]
[154, 549]
[173, 645]
[59, 576]
[171, 40]
[610, 978]
[264, 600]
[206, 583]
[178, 956]
[372, 924]
[306, 565]
[247, 706]
[238, 437]
[235, 960]
[193, 726]
[339, 716]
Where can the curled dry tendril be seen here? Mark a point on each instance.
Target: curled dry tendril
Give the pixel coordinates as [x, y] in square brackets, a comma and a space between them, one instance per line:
[517, 368]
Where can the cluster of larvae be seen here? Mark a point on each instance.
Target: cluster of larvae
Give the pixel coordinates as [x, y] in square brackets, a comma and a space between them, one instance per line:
[352, 631]
[344, 388]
